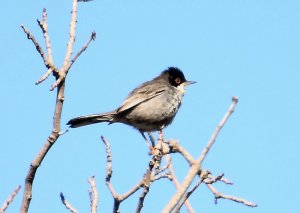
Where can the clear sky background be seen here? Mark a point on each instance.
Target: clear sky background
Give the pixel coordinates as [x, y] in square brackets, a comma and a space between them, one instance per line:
[249, 48]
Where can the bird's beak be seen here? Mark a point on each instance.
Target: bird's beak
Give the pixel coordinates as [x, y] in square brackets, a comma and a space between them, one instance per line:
[187, 83]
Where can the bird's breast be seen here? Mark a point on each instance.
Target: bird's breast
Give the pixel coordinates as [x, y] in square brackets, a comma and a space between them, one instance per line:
[155, 113]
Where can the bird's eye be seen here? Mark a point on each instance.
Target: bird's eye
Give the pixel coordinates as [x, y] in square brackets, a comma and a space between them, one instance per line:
[177, 81]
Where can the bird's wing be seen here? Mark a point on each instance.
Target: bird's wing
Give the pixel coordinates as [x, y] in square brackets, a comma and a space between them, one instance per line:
[140, 95]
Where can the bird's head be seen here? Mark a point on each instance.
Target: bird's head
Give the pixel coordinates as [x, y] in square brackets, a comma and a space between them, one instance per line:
[176, 77]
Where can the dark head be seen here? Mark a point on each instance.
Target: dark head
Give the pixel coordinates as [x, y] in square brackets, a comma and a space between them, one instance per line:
[176, 77]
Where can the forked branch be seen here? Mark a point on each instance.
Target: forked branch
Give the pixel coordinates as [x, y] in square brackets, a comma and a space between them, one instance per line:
[195, 168]
[60, 75]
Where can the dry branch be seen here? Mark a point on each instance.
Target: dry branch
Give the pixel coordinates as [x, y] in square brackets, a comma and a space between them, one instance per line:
[145, 183]
[219, 195]
[177, 184]
[9, 199]
[196, 167]
[175, 147]
[67, 204]
[59, 75]
[93, 194]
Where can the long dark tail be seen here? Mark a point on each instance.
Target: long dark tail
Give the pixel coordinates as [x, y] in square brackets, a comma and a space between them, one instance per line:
[91, 119]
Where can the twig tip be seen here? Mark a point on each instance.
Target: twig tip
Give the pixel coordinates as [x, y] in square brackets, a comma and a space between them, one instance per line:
[94, 35]
[235, 99]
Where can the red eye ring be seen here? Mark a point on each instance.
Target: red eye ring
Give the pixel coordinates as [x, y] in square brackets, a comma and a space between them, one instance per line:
[177, 81]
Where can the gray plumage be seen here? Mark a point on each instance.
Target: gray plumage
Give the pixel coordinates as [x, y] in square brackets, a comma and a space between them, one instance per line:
[150, 107]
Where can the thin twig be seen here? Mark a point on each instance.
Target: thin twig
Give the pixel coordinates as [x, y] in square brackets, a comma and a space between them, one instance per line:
[108, 158]
[71, 33]
[217, 130]
[186, 196]
[146, 185]
[44, 26]
[67, 204]
[93, 194]
[9, 199]
[219, 195]
[67, 63]
[62, 74]
[175, 147]
[46, 75]
[48, 60]
[117, 198]
[56, 121]
[176, 182]
[142, 198]
[36, 44]
[196, 167]
[211, 179]
[109, 175]
[135, 188]
[92, 38]
[161, 176]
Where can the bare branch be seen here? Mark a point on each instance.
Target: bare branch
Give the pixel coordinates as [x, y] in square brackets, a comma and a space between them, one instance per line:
[60, 79]
[9, 199]
[46, 75]
[72, 33]
[92, 38]
[109, 185]
[48, 60]
[186, 196]
[177, 184]
[36, 44]
[219, 195]
[93, 194]
[175, 147]
[117, 198]
[108, 158]
[36, 163]
[66, 66]
[147, 180]
[67, 204]
[211, 179]
[142, 198]
[44, 27]
[161, 176]
[218, 129]
[60, 85]
[196, 167]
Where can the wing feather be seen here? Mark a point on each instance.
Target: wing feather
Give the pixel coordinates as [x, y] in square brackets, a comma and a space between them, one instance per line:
[141, 94]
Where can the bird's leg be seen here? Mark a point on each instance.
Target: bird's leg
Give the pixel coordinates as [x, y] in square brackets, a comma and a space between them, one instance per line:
[160, 140]
[152, 139]
[150, 146]
[160, 136]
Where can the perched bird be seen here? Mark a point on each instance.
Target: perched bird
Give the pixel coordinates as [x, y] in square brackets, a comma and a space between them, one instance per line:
[149, 107]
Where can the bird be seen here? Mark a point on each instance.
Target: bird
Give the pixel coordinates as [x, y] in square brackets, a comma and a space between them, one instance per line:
[150, 107]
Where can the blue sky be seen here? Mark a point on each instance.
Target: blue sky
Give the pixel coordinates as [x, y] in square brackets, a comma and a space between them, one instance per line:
[249, 49]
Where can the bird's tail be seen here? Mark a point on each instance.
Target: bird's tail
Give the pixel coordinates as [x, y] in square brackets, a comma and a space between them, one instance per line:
[91, 119]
